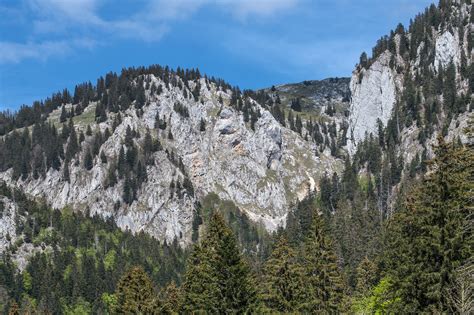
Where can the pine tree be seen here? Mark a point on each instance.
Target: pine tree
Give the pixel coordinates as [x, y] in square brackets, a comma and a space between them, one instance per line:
[170, 299]
[324, 285]
[282, 284]
[200, 289]
[72, 144]
[449, 87]
[217, 277]
[63, 116]
[66, 174]
[363, 60]
[135, 293]
[429, 239]
[366, 276]
[88, 161]
[202, 125]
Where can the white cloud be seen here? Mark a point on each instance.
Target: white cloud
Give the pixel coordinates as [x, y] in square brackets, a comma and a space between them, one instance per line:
[64, 19]
[262, 8]
[11, 52]
[241, 9]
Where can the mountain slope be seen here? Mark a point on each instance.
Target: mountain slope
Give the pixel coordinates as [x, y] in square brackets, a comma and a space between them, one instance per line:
[206, 144]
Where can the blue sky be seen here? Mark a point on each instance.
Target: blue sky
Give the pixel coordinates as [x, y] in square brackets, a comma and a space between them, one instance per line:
[46, 45]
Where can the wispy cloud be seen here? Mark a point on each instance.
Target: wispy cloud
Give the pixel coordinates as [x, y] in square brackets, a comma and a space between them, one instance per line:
[12, 52]
[54, 22]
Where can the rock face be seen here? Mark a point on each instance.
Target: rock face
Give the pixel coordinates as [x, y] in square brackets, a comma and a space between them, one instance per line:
[7, 222]
[315, 95]
[447, 49]
[373, 93]
[262, 170]
[261, 166]
[377, 89]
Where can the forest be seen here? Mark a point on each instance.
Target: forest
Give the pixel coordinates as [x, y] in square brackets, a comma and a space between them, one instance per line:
[384, 235]
[418, 260]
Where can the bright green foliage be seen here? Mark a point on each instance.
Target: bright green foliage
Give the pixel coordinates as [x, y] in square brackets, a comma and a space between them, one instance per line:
[283, 286]
[323, 282]
[431, 238]
[83, 261]
[217, 277]
[135, 293]
[80, 308]
[379, 301]
[110, 301]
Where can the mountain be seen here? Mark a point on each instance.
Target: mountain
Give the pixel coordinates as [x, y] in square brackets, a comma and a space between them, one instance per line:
[157, 150]
[209, 139]
[262, 150]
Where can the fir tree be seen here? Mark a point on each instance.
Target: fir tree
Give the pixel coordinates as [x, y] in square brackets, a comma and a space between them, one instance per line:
[63, 116]
[324, 285]
[88, 161]
[429, 239]
[170, 299]
[217, 277]
[282, 284]
[366, 276]
[135, 293]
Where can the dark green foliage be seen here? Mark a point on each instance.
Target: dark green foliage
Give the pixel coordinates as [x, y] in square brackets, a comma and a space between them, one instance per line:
[296, 105]
[135, 293]
[217, 277]
[283, 280]
[363, 60]
[202, 125]
[63, 116]
[323, 282]
[87, 259]
[181, 109]
[449, 88]
[428, 240]
[170, 299]
[88, 161]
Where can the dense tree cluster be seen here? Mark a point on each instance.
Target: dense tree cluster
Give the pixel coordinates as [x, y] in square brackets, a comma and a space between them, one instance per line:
[82, 262]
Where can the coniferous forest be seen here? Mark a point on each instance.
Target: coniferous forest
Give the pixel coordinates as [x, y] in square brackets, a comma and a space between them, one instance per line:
[418, 260]
[386, 228]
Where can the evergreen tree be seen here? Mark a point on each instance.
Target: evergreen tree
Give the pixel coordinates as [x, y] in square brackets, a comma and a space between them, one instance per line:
[72, 144]
[283, 283]
[449, 87]
[135, 293]
[63, 116]
[170, 299]
[200, 289]
[66, 174]
[88, 161]
[217, 277]
[429, 239]
[202, 125]
[324, 285]
[366, 276]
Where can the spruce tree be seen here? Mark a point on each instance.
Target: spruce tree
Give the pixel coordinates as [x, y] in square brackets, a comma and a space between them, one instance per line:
[170, 299]
[217, 277]
[135, 293]
[200, 289]
[63, 116]
[282, 284]
[88, 161]
[428, 240]
[324, 285]
[366, 276]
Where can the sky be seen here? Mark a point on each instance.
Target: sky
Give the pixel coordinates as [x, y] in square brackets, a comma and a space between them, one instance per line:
[48, 45]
